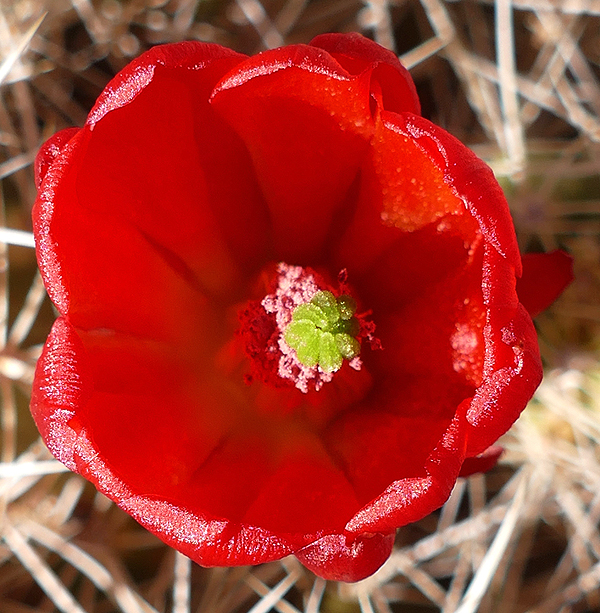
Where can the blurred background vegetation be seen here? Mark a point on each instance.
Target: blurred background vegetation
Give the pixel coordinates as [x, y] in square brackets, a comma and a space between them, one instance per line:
[519, 82]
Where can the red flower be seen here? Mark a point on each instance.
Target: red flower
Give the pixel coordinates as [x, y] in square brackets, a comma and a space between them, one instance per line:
[288, 306]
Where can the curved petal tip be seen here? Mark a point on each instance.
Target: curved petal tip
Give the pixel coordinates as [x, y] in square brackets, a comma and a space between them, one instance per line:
[545, 276]
[357, 53]
[335, 558]
[49, 151]
[483, 462]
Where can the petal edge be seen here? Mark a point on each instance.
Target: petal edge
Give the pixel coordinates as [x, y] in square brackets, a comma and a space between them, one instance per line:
[336, 558]
[545, 276]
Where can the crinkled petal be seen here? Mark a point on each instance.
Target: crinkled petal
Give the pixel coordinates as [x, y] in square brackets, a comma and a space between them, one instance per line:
[49, 152]
[337, 557]
[132, 80]
[208, 541]
[423, 372]
[377, 444]
[167, 152]
[390, 80]
[165, 432]
[60, 387]
[67, 384]
[512, 367]
[411, 498]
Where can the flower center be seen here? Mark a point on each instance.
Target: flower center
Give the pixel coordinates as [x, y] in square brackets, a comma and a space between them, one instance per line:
[303, 332]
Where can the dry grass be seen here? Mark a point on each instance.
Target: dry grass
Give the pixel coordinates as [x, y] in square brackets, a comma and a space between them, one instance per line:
[516, 79]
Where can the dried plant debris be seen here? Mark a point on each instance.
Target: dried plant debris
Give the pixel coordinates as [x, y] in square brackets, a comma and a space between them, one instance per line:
[519, 81]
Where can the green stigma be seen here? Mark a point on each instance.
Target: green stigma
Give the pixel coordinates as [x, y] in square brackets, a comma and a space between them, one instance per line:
[323, 331]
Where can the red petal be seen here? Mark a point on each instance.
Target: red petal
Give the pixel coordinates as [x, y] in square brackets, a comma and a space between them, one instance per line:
[401, 191]
[471, 179]
[49, 152]
[358, 54]
[411, 498]
[206, 540]
[424, 371]
[377, 444]
[182, 161]
[132, 80]
[60, 387]
[144, 256]
[64, 393]
[118, 280]
[512, 368]
[153, 418]
[483, 462]
[340, 558]
[306, 123]
[306, 494]
[545, 276]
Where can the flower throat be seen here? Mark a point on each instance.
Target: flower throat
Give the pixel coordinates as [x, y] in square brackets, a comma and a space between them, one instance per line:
[303, 332]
